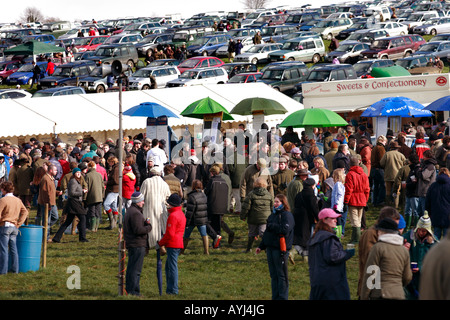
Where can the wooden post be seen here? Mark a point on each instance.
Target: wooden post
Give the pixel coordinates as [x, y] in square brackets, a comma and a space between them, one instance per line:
[44, 238]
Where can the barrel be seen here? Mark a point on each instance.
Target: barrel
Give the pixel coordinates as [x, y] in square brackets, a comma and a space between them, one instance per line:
[29, 244]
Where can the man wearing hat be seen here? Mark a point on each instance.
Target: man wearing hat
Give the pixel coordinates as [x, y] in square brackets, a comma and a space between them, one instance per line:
[282, 177]
[390, 261]
[173, 241]
[391, 162]
[361, 133]
[296, 185]
[135, 231]
[250, 175]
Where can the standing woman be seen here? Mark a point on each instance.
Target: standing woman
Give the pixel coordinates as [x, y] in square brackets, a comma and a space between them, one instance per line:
[74, 207]
[327, 270]
[279, 224]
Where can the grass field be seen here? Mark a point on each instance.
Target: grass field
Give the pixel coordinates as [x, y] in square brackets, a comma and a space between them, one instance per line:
[226, 274]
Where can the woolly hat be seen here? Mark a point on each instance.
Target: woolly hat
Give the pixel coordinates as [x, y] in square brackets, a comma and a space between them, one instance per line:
[137, 197]
[424, 223]
[174, 200]
[75, 170]
[93, 147]
[401, 223]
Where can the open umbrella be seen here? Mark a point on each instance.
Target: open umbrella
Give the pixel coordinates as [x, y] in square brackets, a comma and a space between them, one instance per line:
[313, 117]
[33, 47]
[441, 104]
[249, 106]
[150, 110]
[396, 107]
[199, 108]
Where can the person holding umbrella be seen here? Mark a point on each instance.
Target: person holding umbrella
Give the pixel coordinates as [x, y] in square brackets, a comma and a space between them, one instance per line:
[135, 230]
[173, 241]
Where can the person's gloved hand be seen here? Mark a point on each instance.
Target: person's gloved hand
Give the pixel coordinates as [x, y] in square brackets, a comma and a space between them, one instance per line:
[351, 252]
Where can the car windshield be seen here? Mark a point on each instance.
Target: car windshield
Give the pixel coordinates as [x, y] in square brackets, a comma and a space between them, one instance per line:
[356, 36]
[345, 48]
[275, 74]
[26, 68]
[253, 15]
[96, 72]
[442, 37]
[318, 75]
[431, 22]
[73, 31]
[81, 41]
[147, 40]
[190, 74]
[380, 44]
[142, 73]
[105, 52]
[200, 41]
[255, 49]
[234, 32]
[111, 40]
[415, 17]
[268, 31]
[361, 67]
[237, 79]
[188, 63]
[290, 45]
[429, 47]
[62, 71]
[42, 94]
[324, 24]
[180, 36]
[2, 66]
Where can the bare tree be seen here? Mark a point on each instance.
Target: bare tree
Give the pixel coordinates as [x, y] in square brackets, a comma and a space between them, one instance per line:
[31, 14]
[255, 4]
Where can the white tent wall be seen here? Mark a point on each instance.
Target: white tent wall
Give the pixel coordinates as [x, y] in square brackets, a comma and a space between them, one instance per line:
[97, 115]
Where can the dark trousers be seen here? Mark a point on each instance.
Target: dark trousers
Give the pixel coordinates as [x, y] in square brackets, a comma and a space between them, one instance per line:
[278, 273]
[379, 188]
[215, 222]
[134, 269]
[81, 226]
[94, 210]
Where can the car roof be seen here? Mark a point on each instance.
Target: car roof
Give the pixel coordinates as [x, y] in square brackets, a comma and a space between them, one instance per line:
[287, 65]
[55, 89]
[158, 67]
[204, 68]
[77, 63]
[334, 66]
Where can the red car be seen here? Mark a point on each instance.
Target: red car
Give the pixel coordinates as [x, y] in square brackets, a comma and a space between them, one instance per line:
[200, 62]
[89, 43]
[246, 77]
[7, 68]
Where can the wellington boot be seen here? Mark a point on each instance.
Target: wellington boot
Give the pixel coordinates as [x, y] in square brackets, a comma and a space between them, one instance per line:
[408, 221]
[356, 234]
[249, 244]
[205, 245]
[92, 222]
[414, 222]
[185, 244]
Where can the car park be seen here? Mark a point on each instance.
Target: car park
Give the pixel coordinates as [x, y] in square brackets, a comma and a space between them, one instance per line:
[152, 41]
[215, 75]
[124, 39]
[140, 80]
[366, 35]
[363, 68]
[46, 38]
[419, 18]
[207, 45]
[24, 75]
[276, 32]
[392, 47]
[258, 53]
[246, 41]
[58, 91]
[199, 62]
[284, 77]
[348, 52]
[7, 68]
[331, 28]
[436, 48]
[89, 43]
[246, 77]
[68, 74]
[14, 94]
[300, 49]
[73, 33]
[299, 18]
[393, 28]
[107, 53]
[434, 26]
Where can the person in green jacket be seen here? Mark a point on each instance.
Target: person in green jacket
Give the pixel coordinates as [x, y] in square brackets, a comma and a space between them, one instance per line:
[256, 208]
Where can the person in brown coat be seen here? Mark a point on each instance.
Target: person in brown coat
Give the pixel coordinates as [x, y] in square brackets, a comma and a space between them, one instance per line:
[47, 196]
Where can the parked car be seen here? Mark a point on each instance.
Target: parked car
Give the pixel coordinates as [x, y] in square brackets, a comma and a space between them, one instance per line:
[366, 35]
[276, 32]
[68, 74]
[441, 37]
[258, 53]
[140, 80]
[207, 45]
[46, 38]
[434, 26]
[135, 28]
[246, 77]
[73, 33]
[187, 36]
[164, 62]
[200, 62]
[89, 43]
[300, 49]
[300, 18]
[348, 52]
[436, 48]
[283, 77]
[247, 43]
[330, 28]
[215, 75]
[239, 67]
[416, 61]
[355, 27]
[124, 39]
[242, 32]
[392, 47]
[418, 18]
[152, 41]
[58, 91]
[24, 75]
[7, 68]
[14, 94]
[107, 53]
[380, 12]
[393, 28]
[363, 68]
[96, 81]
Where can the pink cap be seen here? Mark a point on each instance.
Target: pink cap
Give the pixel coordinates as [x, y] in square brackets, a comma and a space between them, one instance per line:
[328, 213]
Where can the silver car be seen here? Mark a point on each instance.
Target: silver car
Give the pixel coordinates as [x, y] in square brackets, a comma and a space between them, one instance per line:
[258, 53]
[434, 26]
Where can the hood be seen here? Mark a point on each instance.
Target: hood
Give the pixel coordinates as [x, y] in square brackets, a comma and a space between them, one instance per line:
[260, 191]
[419, 141]
[91, 79]
[430, 161]
[280, 52]
[357, 169]
[336, 53]
[320, 236]
[391, 238]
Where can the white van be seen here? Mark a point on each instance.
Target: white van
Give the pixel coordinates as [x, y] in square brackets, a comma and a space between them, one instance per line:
[381, 13]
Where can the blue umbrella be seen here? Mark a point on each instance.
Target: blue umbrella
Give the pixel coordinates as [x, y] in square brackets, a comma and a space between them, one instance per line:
[396, 107]
[150, 110]
[441, 104]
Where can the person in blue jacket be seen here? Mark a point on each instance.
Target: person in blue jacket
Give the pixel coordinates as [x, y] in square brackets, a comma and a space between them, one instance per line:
[327, 257]
[280, 223]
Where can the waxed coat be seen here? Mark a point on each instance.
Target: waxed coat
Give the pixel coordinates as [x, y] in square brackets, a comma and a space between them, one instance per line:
[257, 206]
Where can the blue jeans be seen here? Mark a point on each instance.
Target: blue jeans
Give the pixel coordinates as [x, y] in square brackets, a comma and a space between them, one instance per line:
[440, 232]
[421, 206]
[8, 249]
[278, 273]
[172, 270]
[188, 231]
[52, 217]
[379, 188]
[411, 206]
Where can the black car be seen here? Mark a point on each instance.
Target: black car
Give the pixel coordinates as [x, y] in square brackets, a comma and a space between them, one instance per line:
[363, 68]
[107, 53]
[152, 41]
[68, 74]
[356, 26]
[240, 67]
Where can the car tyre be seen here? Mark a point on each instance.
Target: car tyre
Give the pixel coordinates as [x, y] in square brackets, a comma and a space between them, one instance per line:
[205, 53]
[255, 60]
[145, 87]
[433, 32]
[100, 89]
[130, 63]
[316, 58]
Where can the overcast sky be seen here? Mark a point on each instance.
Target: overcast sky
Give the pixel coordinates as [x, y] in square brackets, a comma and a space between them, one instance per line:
[101, 9]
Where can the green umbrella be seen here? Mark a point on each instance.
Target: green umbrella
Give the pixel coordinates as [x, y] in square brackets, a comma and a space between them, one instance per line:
[250, 105]
[205, 106]
[33, 47]
[312, 117]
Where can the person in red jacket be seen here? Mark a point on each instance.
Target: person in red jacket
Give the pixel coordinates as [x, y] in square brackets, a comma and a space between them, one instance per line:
[128, 183]
[357, 190]
[50, 67]
[173, 241]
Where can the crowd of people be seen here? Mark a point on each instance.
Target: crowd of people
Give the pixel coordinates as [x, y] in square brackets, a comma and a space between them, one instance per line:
[295, 200]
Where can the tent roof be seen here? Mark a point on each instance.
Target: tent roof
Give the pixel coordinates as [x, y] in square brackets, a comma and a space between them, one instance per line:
[100, 111]
[33, 47]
